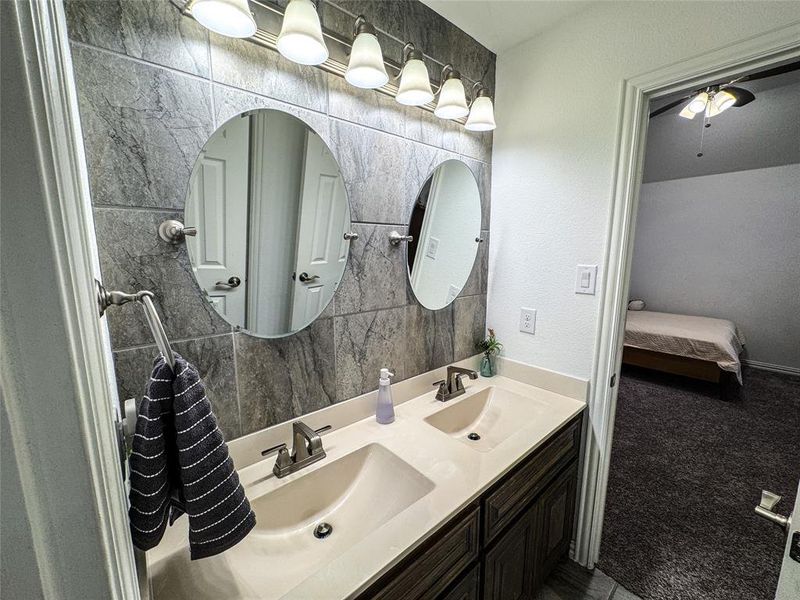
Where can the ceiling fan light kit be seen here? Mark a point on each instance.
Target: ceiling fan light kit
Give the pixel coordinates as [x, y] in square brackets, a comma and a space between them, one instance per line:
[716, 100]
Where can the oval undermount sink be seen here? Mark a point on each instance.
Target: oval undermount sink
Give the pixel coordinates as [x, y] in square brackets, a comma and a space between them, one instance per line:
[300, 526]
[485, 419]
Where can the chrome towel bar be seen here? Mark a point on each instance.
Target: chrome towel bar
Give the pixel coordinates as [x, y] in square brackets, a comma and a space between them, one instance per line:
[145, 298]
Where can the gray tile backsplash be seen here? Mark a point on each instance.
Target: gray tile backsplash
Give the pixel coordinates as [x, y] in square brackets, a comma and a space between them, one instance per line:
[143, 128]
[281, 378]
[153, 85]
[212, 356]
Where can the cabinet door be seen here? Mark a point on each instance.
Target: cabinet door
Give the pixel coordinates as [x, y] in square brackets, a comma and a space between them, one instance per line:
[468, 587]
[510, 565]
[556, 514]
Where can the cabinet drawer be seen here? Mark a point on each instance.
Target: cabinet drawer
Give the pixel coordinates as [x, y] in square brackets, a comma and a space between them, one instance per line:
[431, 569]
[517, 490]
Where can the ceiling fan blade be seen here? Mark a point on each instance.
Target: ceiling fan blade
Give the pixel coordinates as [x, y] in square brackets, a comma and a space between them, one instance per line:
[771, 72]
[742, 95]
[670, 106]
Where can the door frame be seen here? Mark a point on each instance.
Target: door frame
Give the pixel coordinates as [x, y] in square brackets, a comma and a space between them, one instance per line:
[47, 432]
[753, 53]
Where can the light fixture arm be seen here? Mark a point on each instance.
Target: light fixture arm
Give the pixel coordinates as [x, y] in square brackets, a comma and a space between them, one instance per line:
[478, 91]
[361, 25]
[409, 52]
[448, 72]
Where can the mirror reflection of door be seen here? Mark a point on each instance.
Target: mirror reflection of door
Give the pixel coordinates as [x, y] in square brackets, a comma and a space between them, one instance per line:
[321, 247]
[270, 208]
[218, 190]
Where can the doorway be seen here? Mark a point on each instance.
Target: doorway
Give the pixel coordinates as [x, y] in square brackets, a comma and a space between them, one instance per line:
[616, 294]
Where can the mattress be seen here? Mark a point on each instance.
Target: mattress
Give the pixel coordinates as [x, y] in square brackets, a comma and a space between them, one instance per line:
[703, 338]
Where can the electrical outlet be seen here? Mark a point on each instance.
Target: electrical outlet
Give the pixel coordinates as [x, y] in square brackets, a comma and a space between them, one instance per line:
[527, 320]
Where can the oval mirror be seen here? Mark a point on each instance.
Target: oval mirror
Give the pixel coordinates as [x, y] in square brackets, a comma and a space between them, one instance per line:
[445, 225]
[269, 205]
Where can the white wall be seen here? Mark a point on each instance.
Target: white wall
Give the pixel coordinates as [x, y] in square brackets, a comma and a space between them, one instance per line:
[558, 104]
[726, 246]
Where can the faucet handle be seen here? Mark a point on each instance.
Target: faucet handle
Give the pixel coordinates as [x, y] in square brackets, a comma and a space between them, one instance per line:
[279, 447]
[283, 463]
[442, 392]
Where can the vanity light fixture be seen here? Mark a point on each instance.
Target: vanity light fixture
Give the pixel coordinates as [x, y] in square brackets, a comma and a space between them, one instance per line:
[366, 68]
[415, 85]
[226, 17]
[300, 39]
[481, 113]
[452, 102]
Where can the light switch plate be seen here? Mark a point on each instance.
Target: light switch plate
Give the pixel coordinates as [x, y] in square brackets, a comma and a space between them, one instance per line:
[527, 320]
[433, 248]
[586, 279]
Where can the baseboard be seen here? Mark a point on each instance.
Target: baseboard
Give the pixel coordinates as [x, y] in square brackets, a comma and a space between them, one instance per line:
[757, 364]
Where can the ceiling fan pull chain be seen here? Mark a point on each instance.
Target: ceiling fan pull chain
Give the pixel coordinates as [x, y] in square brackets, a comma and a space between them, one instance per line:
[702, 135]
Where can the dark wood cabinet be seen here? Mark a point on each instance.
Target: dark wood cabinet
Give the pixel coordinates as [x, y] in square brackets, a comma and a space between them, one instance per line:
[510, 564]
[556, 507]
[433, 567]
[467, 588]
[504, 545]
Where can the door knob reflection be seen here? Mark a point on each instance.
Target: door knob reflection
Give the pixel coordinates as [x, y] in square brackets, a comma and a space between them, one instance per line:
[233, 282]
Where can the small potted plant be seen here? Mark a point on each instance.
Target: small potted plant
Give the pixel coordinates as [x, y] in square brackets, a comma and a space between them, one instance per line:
[490, 347]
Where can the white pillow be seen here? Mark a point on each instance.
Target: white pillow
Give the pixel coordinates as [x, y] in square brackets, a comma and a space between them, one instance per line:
[636, 304]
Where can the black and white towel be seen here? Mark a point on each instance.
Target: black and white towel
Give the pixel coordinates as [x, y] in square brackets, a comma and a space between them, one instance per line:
[180, 463]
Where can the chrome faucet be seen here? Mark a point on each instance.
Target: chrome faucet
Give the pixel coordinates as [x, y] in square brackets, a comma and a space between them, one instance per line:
[306, 450]
[452, 387]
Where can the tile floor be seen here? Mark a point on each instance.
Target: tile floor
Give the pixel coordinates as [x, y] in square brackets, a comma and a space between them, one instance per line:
[570, 581]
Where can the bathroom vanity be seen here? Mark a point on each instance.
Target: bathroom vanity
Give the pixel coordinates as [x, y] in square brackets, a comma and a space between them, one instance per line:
[506, 542]
[420, 508]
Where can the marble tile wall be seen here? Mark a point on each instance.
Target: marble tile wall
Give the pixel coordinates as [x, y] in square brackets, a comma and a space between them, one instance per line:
[153, 85]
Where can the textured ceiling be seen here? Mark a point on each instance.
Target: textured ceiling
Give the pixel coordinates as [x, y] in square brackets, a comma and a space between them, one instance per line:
[502, 24]
[764, 133]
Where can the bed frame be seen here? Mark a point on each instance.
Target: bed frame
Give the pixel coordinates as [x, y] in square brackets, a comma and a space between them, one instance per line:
[695, 368]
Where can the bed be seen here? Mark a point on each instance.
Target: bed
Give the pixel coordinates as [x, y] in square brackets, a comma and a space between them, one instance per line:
[698, 347]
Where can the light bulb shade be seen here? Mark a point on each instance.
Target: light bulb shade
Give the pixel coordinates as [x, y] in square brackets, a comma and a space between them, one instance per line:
[415, 86]
[686, 113]
[452, 100]
[226, 17]
[300, 39]
[366, 68]
[481, 115]
[723, 101]
[698, 103]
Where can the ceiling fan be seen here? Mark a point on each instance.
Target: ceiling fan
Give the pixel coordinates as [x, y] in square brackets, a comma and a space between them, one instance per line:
[715, 99]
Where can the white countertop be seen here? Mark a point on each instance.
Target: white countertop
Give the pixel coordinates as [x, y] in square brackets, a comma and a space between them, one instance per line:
[459, 474]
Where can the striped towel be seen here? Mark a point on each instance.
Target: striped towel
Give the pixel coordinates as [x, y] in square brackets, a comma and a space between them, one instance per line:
[180, 463]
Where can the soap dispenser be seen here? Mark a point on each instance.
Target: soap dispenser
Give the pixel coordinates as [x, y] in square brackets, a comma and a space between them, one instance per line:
[384, 412]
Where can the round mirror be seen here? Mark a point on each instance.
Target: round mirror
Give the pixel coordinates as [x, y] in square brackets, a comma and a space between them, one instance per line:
[271, 213]
[445, 225]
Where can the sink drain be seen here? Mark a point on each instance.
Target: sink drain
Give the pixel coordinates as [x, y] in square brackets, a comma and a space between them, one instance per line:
[473, 436]
[323, 530]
